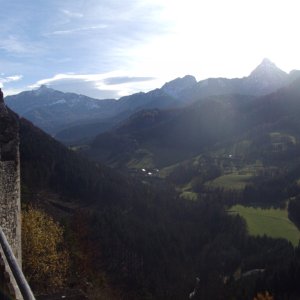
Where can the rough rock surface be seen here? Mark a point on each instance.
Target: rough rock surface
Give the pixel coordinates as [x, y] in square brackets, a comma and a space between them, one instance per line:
[10, 178]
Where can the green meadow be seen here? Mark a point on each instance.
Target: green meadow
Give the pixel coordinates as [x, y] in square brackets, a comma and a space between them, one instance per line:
[232, 181]
[271, 222]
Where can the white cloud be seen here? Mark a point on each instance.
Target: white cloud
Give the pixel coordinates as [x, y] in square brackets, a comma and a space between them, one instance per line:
[9, 92]
[107, 85]
[8, 79]
[163, 38]
[14, 78]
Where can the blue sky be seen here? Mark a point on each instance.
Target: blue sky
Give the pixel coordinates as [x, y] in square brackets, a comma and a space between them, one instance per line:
[112, 48]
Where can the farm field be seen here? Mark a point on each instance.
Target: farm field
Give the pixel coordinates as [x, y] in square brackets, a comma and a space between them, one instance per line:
[271, 222]
[232, 181]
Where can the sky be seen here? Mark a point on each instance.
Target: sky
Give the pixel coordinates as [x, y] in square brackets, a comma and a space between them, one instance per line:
[112, 48]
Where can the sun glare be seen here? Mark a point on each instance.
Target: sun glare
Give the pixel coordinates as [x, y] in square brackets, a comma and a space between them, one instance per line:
[223, 38]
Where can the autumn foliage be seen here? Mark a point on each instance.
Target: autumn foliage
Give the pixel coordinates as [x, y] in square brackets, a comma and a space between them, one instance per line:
[263, 296]
[45, 261]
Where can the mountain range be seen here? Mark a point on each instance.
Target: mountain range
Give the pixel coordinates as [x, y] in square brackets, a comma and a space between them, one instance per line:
[71, 117]
[117, 226]
[158, 138]
[183, 155]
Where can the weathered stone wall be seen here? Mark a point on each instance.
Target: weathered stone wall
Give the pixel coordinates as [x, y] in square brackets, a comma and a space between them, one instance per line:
[10, 210]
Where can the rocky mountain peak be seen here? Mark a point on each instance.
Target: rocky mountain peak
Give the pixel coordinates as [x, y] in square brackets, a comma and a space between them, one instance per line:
[267, 69]
[265, 78]
[43, 89]
[174, 87]
[267, 62]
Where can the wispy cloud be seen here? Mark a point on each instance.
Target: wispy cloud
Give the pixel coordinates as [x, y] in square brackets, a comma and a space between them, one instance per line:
[84, 37]
[107, 85]
[165, 39]
[60, 77]
[72, 14]
[125, 79]
[77, 30]
[8, 79]
[14, 78]
[15, 45]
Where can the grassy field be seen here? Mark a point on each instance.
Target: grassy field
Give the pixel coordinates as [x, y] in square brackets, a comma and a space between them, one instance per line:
[188, 195]
[232, 181]
[141, 159]
[271, 222]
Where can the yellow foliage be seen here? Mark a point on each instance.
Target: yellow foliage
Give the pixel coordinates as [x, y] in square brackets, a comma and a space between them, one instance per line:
[263, 296]
[45, 262]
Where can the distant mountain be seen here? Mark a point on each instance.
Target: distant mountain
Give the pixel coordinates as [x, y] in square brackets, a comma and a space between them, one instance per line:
[136, 239]
[264, 79]
[117, 147]
[58, 113]
[157, 138]
[83, 133]
[53, 110]
[73, 117]
[176, 86]
[268, 72]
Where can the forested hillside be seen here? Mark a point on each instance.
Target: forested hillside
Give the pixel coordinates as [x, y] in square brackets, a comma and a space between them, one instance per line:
[139, 240]
[155, 148]
[164, 223]
[201, 127]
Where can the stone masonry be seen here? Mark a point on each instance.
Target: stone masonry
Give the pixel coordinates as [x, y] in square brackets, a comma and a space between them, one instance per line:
[10, 210]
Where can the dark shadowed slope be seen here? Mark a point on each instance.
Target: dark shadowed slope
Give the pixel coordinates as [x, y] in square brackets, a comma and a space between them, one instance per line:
[170, 136]
[47, 164]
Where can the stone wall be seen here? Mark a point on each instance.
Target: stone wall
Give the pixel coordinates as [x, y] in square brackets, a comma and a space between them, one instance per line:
[10, 210]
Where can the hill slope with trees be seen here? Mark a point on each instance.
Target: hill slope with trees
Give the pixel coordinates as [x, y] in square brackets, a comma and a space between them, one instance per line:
[138, 239]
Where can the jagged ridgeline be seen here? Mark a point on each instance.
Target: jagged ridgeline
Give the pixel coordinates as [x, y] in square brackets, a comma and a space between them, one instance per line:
[72, 118]
[218, 124]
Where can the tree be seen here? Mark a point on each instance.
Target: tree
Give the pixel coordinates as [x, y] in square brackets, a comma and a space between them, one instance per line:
[45, 261]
